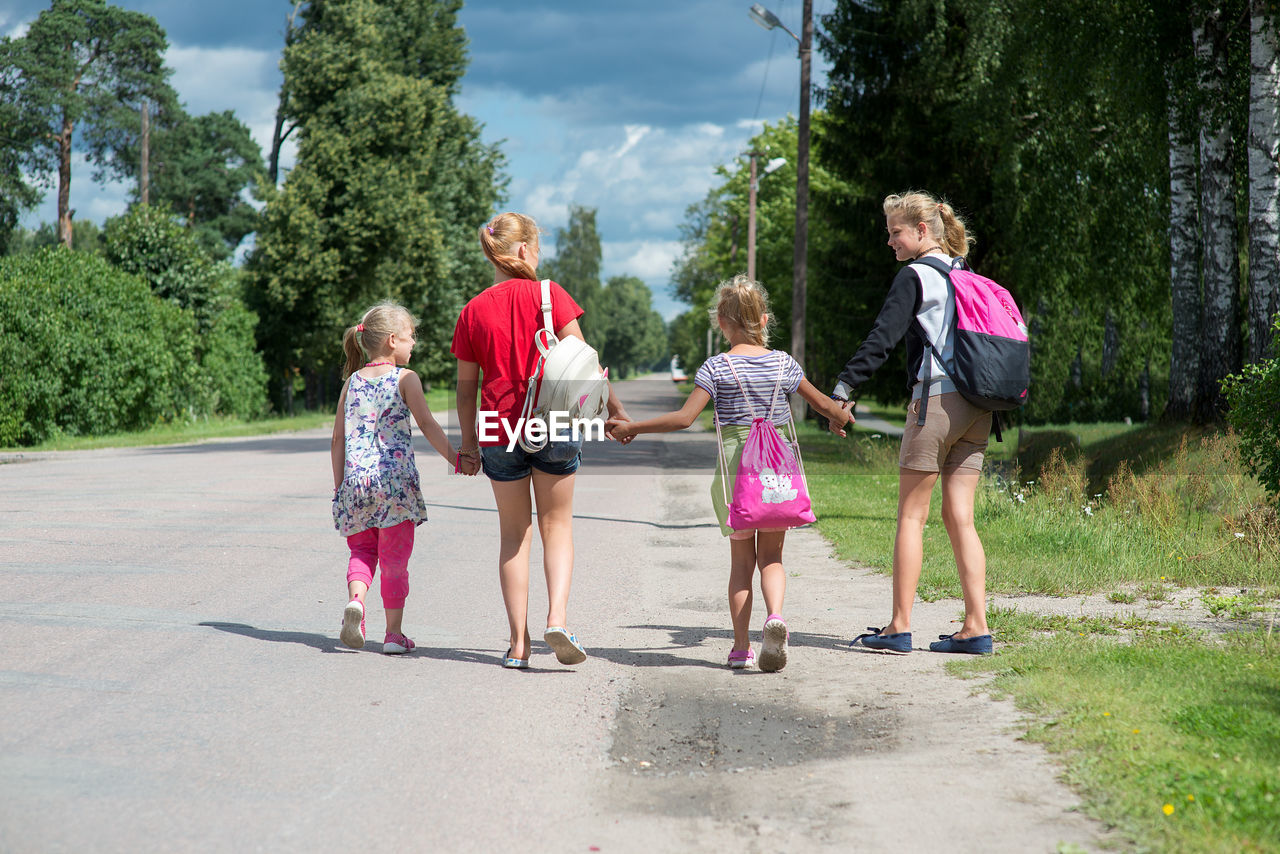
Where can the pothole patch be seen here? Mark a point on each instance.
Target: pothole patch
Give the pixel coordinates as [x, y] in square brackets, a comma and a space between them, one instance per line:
[669, 732]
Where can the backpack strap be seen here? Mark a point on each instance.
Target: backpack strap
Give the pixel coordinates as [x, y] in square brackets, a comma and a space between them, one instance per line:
[546, 307]
[743, 389]
[773, 401]
[929, 348]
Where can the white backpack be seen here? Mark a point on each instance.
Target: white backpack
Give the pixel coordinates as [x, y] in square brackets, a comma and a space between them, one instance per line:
[566, 378]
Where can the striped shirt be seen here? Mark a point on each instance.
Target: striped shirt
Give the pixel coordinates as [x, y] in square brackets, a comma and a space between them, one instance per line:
[759, 376]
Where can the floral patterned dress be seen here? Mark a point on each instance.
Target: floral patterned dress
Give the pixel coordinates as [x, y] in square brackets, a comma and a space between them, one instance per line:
[380, 486]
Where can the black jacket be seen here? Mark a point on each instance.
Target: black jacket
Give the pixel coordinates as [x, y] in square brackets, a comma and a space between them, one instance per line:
[897, 319]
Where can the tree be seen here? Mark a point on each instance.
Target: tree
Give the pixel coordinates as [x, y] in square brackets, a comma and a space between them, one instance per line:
[84, 64]
[1220, 269]
[634, 333]
[16, 195]
[576, 267]
[202, 166]
[389, 186]
[151, 243]
[1045, 125]
[1264, 176]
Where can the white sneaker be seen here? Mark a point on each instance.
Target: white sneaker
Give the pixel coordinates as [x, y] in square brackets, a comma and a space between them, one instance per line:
[773, 652]
[353, 624]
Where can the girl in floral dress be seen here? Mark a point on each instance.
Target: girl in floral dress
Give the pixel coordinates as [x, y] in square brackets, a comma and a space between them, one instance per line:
[377, 502]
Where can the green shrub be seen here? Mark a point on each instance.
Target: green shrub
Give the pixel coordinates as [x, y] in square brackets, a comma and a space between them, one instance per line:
[150, 243]
[86, 349]
[1254, 398]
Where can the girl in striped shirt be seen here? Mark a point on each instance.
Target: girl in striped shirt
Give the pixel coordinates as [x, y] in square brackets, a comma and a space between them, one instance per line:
[742, 312]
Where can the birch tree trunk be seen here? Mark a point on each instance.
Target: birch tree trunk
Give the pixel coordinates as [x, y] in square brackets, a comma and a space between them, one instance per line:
[1264, 180]
[1184, 266]
[1220, 342]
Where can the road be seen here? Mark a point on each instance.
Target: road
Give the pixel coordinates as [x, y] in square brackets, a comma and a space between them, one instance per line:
[172, 678]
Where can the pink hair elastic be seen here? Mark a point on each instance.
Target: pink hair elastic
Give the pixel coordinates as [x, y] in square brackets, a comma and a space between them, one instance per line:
[359, 327]
[490, 228]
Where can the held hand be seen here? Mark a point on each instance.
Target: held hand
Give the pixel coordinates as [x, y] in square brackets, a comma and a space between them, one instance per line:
[842, 415]
[469, 466]
[619, 429]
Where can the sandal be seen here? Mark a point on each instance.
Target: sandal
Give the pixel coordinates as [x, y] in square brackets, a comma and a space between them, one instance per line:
[565, 645]
[740, 659]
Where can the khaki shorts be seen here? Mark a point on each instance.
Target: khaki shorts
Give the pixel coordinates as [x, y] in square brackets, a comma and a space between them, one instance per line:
[954, 435]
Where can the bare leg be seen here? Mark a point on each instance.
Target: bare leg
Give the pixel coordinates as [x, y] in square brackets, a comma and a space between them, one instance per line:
[915, 488]
[553, 494]
[742, 569]
[357, 590]
[515, 522]
[395, 616]
[958, 489]
[773, 578]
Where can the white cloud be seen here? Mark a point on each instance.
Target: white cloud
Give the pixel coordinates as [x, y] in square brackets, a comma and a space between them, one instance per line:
[645, 259]
[244, 80]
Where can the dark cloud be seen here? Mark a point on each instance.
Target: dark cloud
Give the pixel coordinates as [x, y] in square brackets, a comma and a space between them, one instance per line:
[663, 62]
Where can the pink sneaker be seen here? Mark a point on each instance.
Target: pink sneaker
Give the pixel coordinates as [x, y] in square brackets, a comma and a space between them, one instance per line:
[396, 644]
[353, 624]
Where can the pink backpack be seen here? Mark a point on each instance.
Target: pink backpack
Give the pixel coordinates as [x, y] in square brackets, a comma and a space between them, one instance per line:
[770, 489]
[991, 353]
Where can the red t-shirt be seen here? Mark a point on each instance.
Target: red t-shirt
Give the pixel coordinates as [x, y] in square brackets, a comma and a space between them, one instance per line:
[496, 329]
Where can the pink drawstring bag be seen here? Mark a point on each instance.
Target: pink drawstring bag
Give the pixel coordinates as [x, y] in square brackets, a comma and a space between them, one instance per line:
[769, 490]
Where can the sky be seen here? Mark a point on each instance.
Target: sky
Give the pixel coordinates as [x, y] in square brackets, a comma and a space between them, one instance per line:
[627, 108]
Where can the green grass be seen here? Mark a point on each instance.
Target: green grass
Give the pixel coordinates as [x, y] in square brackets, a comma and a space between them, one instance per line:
[438, 400]
[1171, 736]
[1173, 741]
[1189, 517]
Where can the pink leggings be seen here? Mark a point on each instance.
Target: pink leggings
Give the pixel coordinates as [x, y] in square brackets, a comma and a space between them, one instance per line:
[390, 547]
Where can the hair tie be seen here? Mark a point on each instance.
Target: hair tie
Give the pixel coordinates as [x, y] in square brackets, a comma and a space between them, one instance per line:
[359, 327]
[490, 229]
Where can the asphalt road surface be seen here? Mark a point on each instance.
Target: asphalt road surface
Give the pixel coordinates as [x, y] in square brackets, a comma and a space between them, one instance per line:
[171, 677]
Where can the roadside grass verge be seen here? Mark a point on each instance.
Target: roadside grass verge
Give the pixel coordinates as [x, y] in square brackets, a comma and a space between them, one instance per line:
[1172, 740]
[1184, 515]
[1171, 735]
[438, 400]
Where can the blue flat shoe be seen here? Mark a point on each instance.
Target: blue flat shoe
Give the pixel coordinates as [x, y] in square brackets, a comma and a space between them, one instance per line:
[565, 645]
[514, 663]
[897, 644]
[976, 645]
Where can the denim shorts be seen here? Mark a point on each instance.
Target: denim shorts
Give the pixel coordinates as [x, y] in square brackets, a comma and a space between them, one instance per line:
[517, 464]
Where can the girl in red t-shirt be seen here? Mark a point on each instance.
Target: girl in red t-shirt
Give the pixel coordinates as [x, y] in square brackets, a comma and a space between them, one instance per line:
[494, 339]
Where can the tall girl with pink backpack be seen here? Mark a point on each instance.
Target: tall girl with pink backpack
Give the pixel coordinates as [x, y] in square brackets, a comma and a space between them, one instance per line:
[758, 492]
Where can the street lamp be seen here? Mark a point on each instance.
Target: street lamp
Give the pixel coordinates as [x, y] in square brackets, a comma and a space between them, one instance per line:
[768, 20]
[772, 166]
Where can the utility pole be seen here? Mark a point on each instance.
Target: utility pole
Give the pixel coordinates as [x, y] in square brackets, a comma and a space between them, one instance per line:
[751, 218]
[800, 261]
[144, 176]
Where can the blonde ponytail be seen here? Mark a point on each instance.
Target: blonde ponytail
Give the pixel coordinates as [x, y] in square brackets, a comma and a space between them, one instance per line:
[944, 225]
[500, 238]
